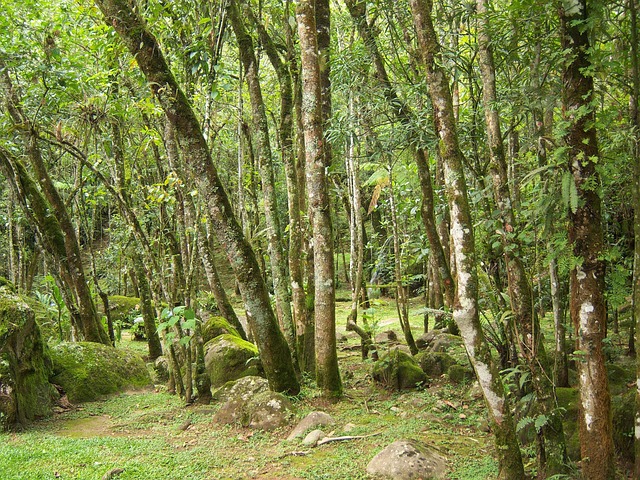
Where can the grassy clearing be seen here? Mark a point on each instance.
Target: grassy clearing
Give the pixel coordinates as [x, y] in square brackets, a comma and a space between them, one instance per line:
[140, 432]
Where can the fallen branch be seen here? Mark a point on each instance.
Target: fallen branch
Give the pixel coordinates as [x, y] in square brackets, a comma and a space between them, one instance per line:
[342, 439]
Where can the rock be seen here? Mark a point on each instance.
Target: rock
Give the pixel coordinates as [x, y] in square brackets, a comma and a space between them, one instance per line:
[25, 365]
[443, 342]
[434, 364]
[228, 357]
[216, 326]
[341, 338]
[459, 374]
[314, 419]
[348, 428]
[313, 437]
[244, 388]
[161, 367]
[386, 337]
[87, 371]
[407, 460]
[398, 370]
[268, 411]
[423, 342]
[265, 411]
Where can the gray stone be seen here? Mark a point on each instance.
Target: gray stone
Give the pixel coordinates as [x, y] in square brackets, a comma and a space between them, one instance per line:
[161, 368]
[313, 437]
[244, 388]
[407, 460]
[268, 411]
[388, 336]
[314, 419]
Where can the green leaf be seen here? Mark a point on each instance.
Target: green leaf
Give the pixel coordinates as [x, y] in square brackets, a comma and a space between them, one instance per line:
[523, 423]
[541, 421]
[573, 197]
[189, 314]
[184, 341]
[189, 324]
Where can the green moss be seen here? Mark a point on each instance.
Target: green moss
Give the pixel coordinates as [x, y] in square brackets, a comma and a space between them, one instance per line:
[124, 309]
[459, 374]
[229, 357]
[24, 364]
[216, 326]
[88, 371]
[435, 364]
[619, 376]
[398, 370]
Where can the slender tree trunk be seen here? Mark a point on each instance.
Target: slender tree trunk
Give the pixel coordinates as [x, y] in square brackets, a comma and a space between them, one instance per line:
[275, 247]
[274, 353]
[587, 303]
[561, 366]
[466, 305]
[402, 305]
[552, 457]
[357, 10]
[635, 120]
[327, 373]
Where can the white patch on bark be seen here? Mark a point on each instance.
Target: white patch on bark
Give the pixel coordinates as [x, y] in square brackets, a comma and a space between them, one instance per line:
[580, 275]
[637, 429]
[585, 310]
[572, 7]
[495, 401]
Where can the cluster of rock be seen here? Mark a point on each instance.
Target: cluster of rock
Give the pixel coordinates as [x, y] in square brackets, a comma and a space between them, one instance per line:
[399, 370]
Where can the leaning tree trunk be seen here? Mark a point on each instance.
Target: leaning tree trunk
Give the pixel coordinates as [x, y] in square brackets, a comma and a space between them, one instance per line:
[551, 449]
[404, 114]
[274, 352]
[265, 165]
[327, 373]
[587, 303]
[90, 324]
[466, 306]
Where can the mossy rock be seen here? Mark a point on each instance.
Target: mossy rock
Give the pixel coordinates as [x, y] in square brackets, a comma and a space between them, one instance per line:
[228, 357]
[398, 370]
[123, 309]
[459, 374]
[569, 400]
[216, 326]
[435, 364]
[25, 365]
[268, 411]
[88, 371]
[243, 388]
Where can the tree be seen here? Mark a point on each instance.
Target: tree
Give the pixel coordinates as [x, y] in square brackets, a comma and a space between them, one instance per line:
[275, 354]
[327, 373]
[466, 306]
[587, 303]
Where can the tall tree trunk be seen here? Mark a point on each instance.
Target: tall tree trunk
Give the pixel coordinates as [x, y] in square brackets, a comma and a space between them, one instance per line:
[275, 247]
[561, 365]
[274, 352]
[552, 457]
[635, 121]
[87, 314]
[466, 306]
[404, 114]
[327, 373]
[587, 303]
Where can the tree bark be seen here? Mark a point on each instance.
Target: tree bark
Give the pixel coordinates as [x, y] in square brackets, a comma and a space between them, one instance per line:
[551, 449]
[327, 373]
[274, 352]
[635, 121]
[587, 303]
[466, 304]
[275, 247]
[404, 114]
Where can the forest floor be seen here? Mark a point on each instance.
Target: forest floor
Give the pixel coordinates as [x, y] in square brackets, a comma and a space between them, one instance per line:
[143, 435]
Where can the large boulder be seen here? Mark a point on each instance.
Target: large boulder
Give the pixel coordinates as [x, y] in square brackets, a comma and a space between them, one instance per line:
[407, 460]
[88, 371]
[249, 403]
[398, 370]
[228, 357]
[25, 391]
[123, 309]
[216, 326]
